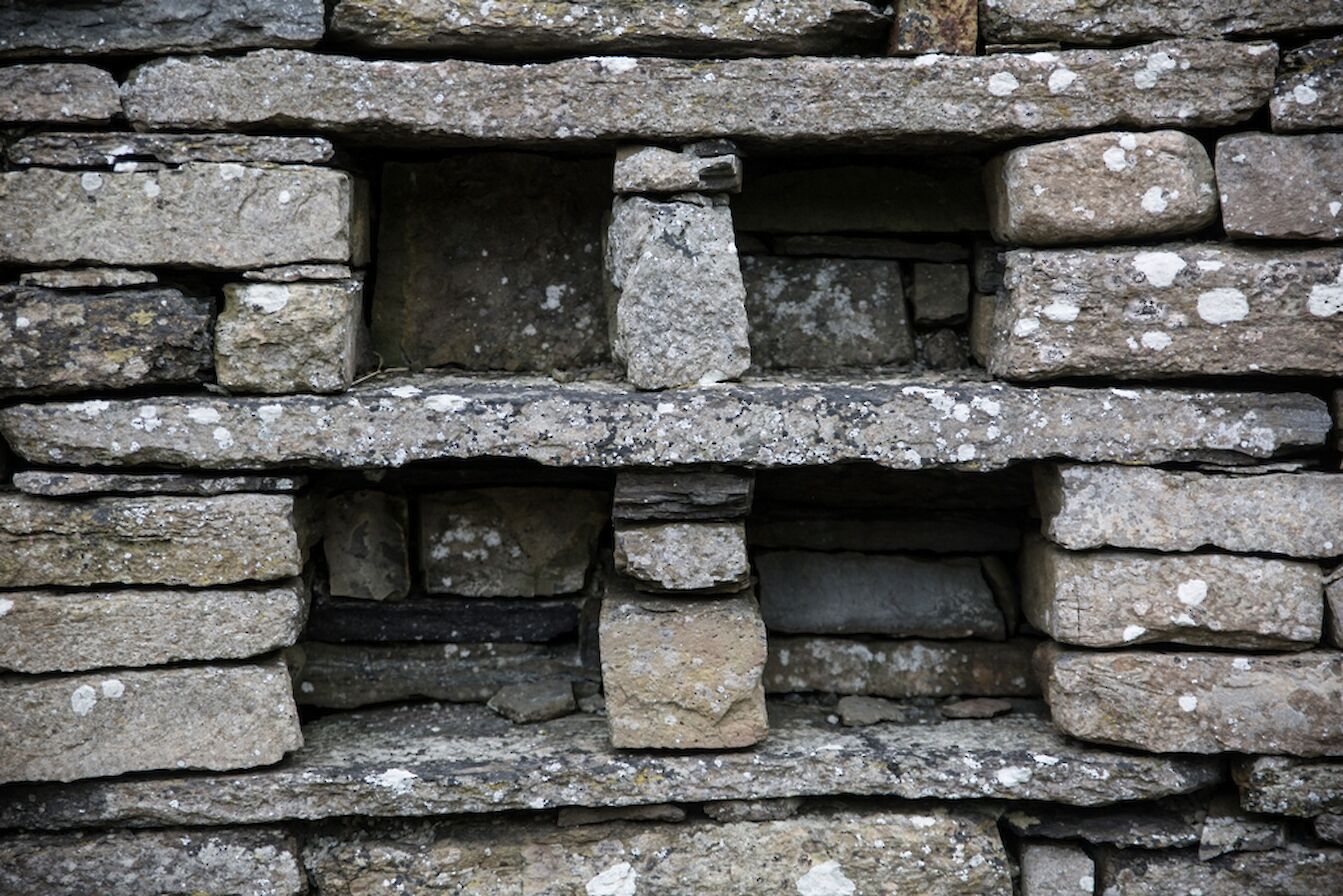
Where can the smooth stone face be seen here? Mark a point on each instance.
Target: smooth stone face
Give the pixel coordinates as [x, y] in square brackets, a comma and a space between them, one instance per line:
[941, 293]
[1308, 94]
[59, 341]
[128, 720]
[180, 862]
[1297, 514]
[652, 169]
[200, 214]
[442, 619]
[1197, 702]
[825, 312]
[1165, 824]
[1168, 311]
[649, 495]
[1280, 785]
[76, 149]
[855, 712]
[935, 26]
[58, 631]
[690, 556]
[1286, 188]
[87, 278]
[1296, 871]
[54, 484]
[849, 594]
[56, 93]
[1101, 187]
[534, 701]
[366, 539]
[1099, 24]
[679, 313]
[148, 540]
[1333, 593]
[1053, 869]
[1113, 598]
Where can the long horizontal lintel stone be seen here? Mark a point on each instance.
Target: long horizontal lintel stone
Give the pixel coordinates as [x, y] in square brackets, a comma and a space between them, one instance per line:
[1093, 23]
[901, 423]
[932, 100]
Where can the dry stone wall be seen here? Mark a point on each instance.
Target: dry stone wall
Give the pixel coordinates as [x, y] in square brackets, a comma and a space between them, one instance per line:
[748, 447]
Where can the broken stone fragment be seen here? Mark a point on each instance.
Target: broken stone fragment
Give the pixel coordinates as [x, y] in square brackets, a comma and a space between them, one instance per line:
[1136, 20]
[1056, 869]
[1228, 828]
[534, 701]
[652, 169]
[650, 495]
[1287, 188]
[439, 619]
[935, 26]
[289, 273]
[57, 484]
[1308, 95]
[941, 293]
[88, 278]
[944, 349]
[56, 93]
[1298, 869]
[689, 556]
[366, 540]
[1281, 785]
[857, 711]
[1164, 824]
[753, 810]
[77, 149]
[976, 708]
[576, 816]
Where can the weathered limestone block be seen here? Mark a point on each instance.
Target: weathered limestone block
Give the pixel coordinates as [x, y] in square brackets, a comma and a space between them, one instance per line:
[76, 149]
[1054, 869]
[144, 27]
[1165, 824]
[509, 542]
[1281, 785]
[180, 862]
[1178, 310]
[681, 674]
[492, 261]
[1113, 598]
[129, 720]
[887, 102]
[679, 304]
[1197, 702]
[1297, 514]
[1099, 23]
[652, 169]
[54, 341]
[1285, 187]
[58, 484]
[149, 540]
[1229, 828]
[87, 278]
[826, 312]
[200, 214]
[366, 540]
[1101, 187]
[1296, 871]
[900, 669]
[58, 631]
[1308, 95]
[470, 621]
[56, 93]
[940, 293]
[935, 26]
[814, 592]
[649, 495]
[688, 556]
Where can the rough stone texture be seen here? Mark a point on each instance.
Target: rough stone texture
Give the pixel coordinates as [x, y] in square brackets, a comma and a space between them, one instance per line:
[56, 93]
[1101, 187]
[944, 349]
[1197, 702]
[57, 341]
[825, 312]
[1228, 828]
[100, 150]
[443, 619]
[200, 214]
[1287, 188]
[54, 484]
[908, 423]
[289, 273]
[1100, 22]
[690, 556]
[886, 102]
[1113, 598]
[1052, 869]
[280, 338]
[941, 293]
[753, 810]
[1333, 595]
[534, 701]
[935, 26]
[652, 169]
[492, 261]
[976, 708]
[1308, 95]
[683, 674]
[1298, 871]
[87, 278]
[856, 712]
[35, 28]
[1178, 310]
[679, 304]
[849, 594]
[191, 862]
[509, 542]
[900, 668]
[1297, 514]
[1165, 824]
[649, 495]
[366, 540]
[126, 720]
[937, 531]
[59, 631]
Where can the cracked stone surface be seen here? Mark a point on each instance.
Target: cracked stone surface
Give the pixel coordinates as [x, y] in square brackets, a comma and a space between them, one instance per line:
[77, 149]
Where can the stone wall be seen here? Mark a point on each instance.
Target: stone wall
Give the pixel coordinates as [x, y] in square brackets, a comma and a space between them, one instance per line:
[725, 446]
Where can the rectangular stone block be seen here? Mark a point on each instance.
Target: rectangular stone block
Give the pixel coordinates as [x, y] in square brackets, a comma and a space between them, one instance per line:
[1296, 514]
[650, 495]
[689, 556]
[652, 169]
[1174, 822]
[1299, 870]
[1205, 309]
[149, 540]
[1197, 702]
[199, 214]
[77, 149]
[131, 720]
[56, 93]
[941, 293]
[1281, 785]
[55, 341]
[1054, 869]
[1092, 24]
[366, 540]
[935, 26]
[1287, 188]
[443, 620]
[1308, 95]
[1113, 598]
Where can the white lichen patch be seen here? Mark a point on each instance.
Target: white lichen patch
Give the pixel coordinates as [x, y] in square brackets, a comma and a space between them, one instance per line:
[203, 416]
[1154, 201]
[1133, 632]
[397, 780]
[1160, 268]
[1223, 305]
[83, 700]
[1003, 84]
[825, 879]
[1326, 299]
[113, 688]
[268, 298]
[1192, 593]
[1155, 340]
[1061, 79]
[1188, 702]
[618, 880]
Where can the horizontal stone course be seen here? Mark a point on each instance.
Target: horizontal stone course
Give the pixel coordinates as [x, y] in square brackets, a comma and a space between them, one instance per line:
[1288, 188]
[1308, 94]
[1092, 23]
[57, 93]
[78, 149]
[905, 668]
[61, 483]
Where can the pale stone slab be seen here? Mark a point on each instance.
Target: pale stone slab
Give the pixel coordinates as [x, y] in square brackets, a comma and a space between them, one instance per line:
[128, 720]
[940, 294]
[1308, 95]
[650, 495]
[87, 278]
[689, 556]
[1009, 21]
[902, 669]
[60, 484]
[1281, 785]
[366, 541]
[1287, 188]
[57, 93]
[652, 169]
[76, 149]
[1055, 869]
[1299, 870]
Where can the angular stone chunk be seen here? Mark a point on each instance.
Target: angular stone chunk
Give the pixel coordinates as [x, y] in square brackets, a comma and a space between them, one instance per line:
[150, 540]
[1297, 514]
[56, 93]
[826, 312]
[849, 594]
[366, 540]
[1299, 870]
[76, 149]
[1091, 23]
[1101, 187]
[1197, 702]
[935, 26]
[200, 214]
[1052, 869]
[88, 278]
[652, 169]
[180, 862]
[691, 556]
[690, 495]
[1173, 822]
[55, 341]
[492, 261]
[753, 810]
[901, 669]
[129, 720]
[1287, 188]
[534, 701]
[681, 674]
[509, 542]
[58, 631]
[443, 619]
[1228, 828]
[1113, 598]
[889, 102]
[53, 484]
[1280, 785]
[1308, 95]
[1178, 310]
[679, 312]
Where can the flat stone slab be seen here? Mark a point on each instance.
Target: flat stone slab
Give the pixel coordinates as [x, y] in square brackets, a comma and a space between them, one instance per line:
[661, 496]
[888, 102]
[1299, 869]
[1284, 187]
[1025, 21]
[901, 669]
[57, 93]
[443, 620]
[444, 759]
[1282, 785]
[60, 484]
[1164, 824]
[87, 278]
[683, 556]
[907, 423]
[1308, 95]
[77, 149]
